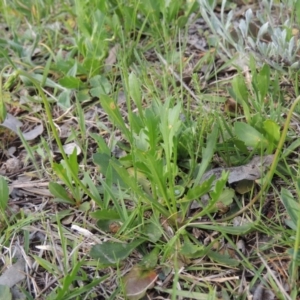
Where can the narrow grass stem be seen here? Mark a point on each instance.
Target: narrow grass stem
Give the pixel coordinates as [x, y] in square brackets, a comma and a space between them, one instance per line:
[56, 137]
[295, 259]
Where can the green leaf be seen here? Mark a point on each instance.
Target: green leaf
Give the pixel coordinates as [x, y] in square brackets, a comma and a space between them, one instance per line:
[263, 81]
[73, 71]
[291, 224]
[73, 162]
[241, 92]
[272, 129]
[155, 174]
[219, 187]
[104, 161]
[141, 141]
[114, 114]
[134, 186]
[179, 191]
[141, 178]
[100, 86]
[199, 190]
[241, 146]
[93, 188]
[105, 214]
[110, 253]
[297, 6]
[79, 293]
[150, 259]
[223, 258]
[291, 205]
[235, 230]
[169, 126]
[249, 135]
[135, 92]
[151, 122]
[240, 89]
[215, 195]
[47, 70]
[226, 196]
[4, 193]
[48, 266]
[59, 192]
[102, 145]
[111, 226]
[207, 153]
[291, 148]
[3, 111]
[64, 99]
[70, 82]
[85, 206]
[67, 281]
[61, 172]
[136, 122]
[40, 79]
[191, 250]
[124, 175]
[83, 95]
[5, 293]
[253, 67]
[60, 215]
[152, 231]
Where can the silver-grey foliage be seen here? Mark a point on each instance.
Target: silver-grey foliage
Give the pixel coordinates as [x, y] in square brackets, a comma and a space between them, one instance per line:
[272, 43]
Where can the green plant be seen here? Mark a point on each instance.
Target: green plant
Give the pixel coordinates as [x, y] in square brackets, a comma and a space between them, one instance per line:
[145, 191]
[4, 196]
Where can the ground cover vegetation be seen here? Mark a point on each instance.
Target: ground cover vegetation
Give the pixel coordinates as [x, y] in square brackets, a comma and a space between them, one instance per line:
[149, 149]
